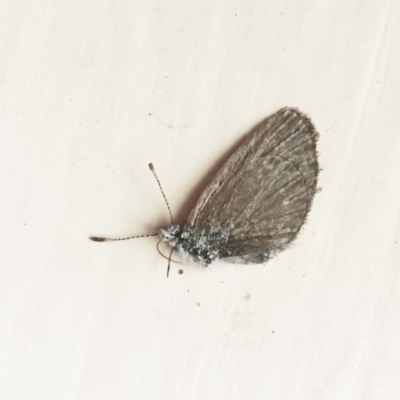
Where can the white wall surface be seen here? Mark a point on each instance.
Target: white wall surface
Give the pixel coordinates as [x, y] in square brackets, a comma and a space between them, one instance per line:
[91, 91]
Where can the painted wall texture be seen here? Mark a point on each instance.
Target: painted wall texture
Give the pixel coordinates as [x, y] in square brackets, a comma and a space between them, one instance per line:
[93, 91]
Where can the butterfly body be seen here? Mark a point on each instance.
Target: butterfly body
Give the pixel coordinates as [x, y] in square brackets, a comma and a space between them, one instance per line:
[200, 245]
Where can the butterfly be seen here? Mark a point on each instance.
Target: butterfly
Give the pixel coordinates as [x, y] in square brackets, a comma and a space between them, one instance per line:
[256, 203]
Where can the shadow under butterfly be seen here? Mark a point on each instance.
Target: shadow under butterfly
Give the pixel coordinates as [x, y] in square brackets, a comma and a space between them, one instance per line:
[257, 200]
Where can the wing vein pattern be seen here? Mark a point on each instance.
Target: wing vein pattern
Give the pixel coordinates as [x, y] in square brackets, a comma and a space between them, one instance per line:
[262, 194]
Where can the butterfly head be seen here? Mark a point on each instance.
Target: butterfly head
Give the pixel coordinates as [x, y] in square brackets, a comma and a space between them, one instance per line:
[172, 235]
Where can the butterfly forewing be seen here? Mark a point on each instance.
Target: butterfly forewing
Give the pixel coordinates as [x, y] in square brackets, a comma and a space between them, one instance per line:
[263, 192]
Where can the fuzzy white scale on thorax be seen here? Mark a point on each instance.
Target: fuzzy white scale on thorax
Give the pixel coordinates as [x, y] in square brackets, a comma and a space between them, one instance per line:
[200, 245]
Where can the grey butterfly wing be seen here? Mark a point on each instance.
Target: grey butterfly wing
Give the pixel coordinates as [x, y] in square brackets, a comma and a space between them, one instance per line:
[262, 194]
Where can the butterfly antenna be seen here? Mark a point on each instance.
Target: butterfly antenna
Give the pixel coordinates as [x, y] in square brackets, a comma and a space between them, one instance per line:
[169, 261]
[162, 191]
[103, 239]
